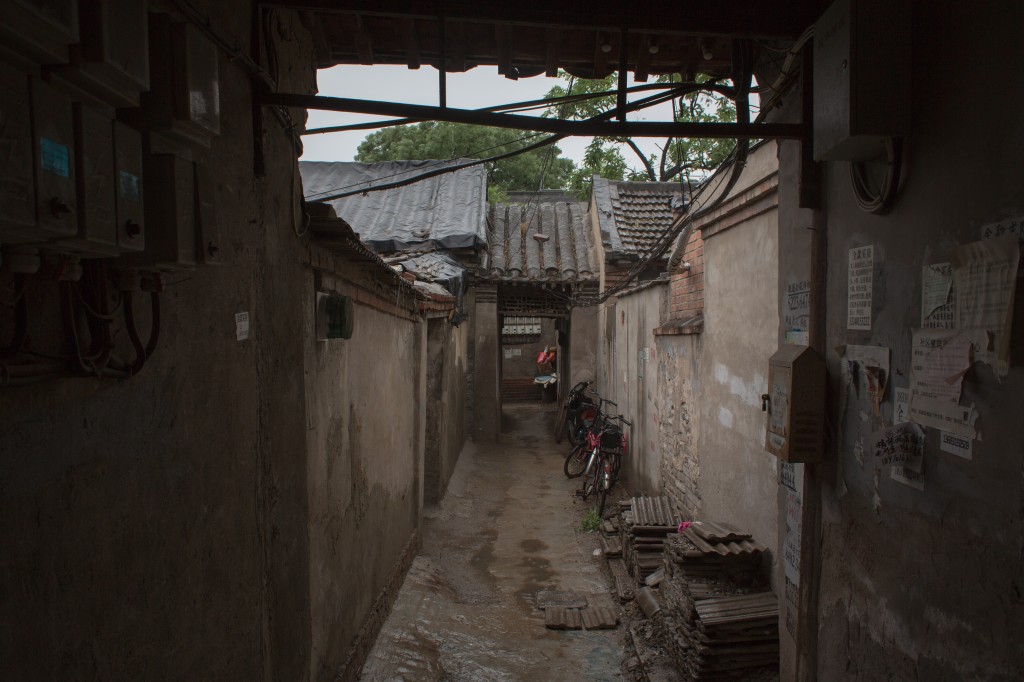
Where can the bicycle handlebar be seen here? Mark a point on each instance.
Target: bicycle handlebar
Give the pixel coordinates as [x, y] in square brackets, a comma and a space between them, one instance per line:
[621, 419]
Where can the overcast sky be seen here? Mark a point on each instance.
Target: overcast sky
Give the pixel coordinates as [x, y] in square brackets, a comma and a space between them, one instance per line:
[479, 87]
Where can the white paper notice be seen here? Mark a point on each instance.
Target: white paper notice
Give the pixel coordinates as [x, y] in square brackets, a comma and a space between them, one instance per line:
[798, 305]
[901, 410]
[936, 296]
[241, 326]
[908, 477]
[945, 416]
[858, 296]
[791, 545]
[938, 361]
[901, 444]
[955, 444]
[985, 276]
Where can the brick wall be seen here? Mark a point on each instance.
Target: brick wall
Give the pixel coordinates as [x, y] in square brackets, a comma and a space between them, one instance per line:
[686, 291]
[520, 390]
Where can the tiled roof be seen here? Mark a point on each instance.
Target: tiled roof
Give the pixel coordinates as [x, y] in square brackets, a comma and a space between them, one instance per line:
[515, 254]
[634, 214]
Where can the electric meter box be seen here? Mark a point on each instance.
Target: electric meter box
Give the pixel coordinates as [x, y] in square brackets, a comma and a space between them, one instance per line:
[94, 171]
[796, 404]
[334, 317]
[111, 64]
[128, 189]
[170, 212]
[53, 134]
[861, 78]
[39, 31]
[184, 98]
[17, 184]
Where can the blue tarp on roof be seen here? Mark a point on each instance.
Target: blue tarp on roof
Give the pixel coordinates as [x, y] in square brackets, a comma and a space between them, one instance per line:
[446, 211]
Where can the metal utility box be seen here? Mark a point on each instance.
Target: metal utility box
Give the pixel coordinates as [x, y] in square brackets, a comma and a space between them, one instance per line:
[861, 78]
[334, 317]
[53, 134]
[796, 404]
[17, 184]
[128, 189]
[170, 211]
[94, 172]
[184, 98]
[39, 31]
[111, 65]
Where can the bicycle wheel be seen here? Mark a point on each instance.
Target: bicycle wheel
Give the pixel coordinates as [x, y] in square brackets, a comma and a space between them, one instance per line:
[562, 423]
[592, 481]
[604, 484]
[576, 461]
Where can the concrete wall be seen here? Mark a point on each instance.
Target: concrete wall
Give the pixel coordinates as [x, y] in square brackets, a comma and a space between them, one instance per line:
[583, 344]
[632, 380]
[741, 319]
[242, 509]
[925, 584]
[365, 461]
[157, 528]
[446, 404]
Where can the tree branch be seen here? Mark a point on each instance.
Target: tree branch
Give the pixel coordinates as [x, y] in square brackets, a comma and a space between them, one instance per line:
[647, 162]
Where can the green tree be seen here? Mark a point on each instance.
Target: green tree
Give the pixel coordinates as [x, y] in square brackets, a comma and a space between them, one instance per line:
[677, 156]
[441, 140]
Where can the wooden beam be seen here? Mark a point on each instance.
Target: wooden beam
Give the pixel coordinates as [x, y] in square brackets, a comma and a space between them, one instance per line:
[643, 59]
[363, 42]
[411, 42]
[620, 101]
[553, 40]
[504, 49]
[736, 18]
[456, 46]
[600, 56]
[549, 125]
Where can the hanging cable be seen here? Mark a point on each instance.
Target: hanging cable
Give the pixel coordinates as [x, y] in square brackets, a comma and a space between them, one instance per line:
[878, 202]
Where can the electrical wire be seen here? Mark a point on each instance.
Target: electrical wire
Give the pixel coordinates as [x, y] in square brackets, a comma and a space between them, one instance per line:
[878, 202]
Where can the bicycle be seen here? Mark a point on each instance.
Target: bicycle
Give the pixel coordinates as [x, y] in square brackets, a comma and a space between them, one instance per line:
[614, 445]
[576, 414]
[585, 443]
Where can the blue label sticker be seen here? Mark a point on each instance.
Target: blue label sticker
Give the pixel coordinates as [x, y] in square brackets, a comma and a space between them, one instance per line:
[129, 185]
[55, 157]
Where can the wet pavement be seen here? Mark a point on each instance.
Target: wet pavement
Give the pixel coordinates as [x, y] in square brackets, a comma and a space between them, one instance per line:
[506, 529]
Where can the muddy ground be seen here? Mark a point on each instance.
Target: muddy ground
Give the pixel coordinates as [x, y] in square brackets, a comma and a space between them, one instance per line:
[508, 527]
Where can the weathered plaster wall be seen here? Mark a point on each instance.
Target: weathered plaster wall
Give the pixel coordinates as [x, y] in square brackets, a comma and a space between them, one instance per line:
[737, 476]
[926, 584]
[525, 364]
[445, 405]
[364, 467]
[635, 384]
[583, 343]
[157, 528]
[679, 401]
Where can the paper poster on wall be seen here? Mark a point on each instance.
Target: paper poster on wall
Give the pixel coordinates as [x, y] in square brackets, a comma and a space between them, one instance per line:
[798, 305]
[939, 360]
[859, 289]
[873, 366]
[985, 277]
[900, 444]
[901, 407]
[1008, 226]
[937, 296]
[907, 476]
[241, 326]
[955, 444]
[791, 544]
[791, 475]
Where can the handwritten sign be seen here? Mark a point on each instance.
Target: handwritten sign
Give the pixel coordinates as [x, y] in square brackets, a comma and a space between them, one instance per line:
[937, 296]
[900, 444]
[798, 305]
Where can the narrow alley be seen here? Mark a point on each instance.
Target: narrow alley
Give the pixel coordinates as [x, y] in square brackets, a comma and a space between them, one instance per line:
[506, 530]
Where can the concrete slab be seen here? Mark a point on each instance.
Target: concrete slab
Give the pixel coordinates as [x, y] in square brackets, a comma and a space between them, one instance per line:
[505, 530]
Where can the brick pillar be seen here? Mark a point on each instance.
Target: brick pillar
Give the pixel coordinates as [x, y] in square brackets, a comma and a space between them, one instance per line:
[486, 386]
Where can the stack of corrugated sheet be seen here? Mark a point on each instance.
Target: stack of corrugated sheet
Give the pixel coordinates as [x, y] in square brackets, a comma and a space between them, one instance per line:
[721, 622]
[646, 522]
